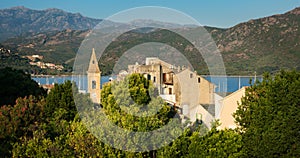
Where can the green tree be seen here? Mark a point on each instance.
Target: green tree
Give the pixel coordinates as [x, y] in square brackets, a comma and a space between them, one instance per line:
[139, 89]
[19, 120]
[216, 143]
[179, 147]
[135, 94]
[15, 84]
[61, 96]
[268, 116]
[56, 136]
[119, 94]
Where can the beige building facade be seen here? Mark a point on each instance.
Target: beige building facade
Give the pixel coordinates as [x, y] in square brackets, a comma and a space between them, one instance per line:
[176, 85]
[191, 93]
[229, 105]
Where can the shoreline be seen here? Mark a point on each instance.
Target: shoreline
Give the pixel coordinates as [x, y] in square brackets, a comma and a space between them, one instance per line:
[242, 76]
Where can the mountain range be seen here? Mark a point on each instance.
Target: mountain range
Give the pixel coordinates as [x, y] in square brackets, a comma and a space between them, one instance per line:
[19, 20]
[258, 45]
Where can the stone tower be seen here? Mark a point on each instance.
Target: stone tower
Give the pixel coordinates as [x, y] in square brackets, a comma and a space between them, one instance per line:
[94, 78]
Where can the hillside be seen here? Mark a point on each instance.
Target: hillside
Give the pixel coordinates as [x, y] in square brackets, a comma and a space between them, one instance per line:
[56, 46]
[266, 44]
[19, 20]
[11, 58]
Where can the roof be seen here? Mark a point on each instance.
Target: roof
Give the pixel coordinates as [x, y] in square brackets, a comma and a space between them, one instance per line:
[93, 66]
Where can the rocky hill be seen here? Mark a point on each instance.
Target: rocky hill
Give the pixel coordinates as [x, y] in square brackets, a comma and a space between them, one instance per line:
[18, 20]
[266, 44]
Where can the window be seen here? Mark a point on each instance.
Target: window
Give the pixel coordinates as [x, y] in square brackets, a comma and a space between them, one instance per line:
[199, 80]
[164, 77]
[167, 78]
[191, 75]
[93, 62]
[149, 77]
[93, 84]
[170, 91]
[154, 79]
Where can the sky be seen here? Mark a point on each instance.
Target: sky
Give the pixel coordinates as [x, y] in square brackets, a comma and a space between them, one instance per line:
[217, 13]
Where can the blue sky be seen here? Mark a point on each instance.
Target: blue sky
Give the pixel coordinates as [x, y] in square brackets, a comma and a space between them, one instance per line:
[219, 13]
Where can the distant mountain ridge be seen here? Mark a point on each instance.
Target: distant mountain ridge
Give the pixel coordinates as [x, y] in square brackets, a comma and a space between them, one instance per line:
[265, 44]
[18, 20]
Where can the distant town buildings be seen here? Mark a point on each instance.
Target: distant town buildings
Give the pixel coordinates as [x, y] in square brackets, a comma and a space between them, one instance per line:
[36, 60]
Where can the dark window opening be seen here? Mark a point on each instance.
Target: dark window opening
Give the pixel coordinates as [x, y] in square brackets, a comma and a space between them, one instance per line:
[164, 77]
[199, 80]
[93, 84]
[154, 79]
[170, 90]
[191, 75]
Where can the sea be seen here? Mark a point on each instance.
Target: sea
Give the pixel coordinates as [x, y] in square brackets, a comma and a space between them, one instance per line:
[223, 83]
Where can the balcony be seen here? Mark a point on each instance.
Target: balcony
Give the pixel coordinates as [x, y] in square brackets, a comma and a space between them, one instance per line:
[169, 98]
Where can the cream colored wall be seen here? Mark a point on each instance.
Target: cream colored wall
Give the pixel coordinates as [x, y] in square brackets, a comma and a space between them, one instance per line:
[189, 87]
[202, 113]
[229, 106]
[218, 105]
[97, 91]
[206, 91]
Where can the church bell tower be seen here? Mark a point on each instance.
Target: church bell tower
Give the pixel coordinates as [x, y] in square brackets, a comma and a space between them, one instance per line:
[94, 78]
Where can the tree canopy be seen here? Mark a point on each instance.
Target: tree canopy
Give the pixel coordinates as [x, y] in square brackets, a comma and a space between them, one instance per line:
[61, 97]
[269, 116]
[14, 84]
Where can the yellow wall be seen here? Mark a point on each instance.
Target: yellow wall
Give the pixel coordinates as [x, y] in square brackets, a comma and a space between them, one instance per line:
[229, 106]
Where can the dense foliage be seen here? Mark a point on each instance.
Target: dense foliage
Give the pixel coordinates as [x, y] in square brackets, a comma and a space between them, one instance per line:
[14, 84]
[268, 120]
[269, 116]
[61, 97]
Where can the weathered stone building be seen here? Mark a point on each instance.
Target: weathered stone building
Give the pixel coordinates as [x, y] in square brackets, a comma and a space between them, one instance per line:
[176, 85]
[191, 93]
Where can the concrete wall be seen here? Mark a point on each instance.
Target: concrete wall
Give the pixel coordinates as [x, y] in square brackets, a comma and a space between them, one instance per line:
[229, 106]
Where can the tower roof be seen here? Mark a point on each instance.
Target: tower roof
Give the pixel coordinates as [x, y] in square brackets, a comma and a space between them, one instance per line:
[93, 66]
